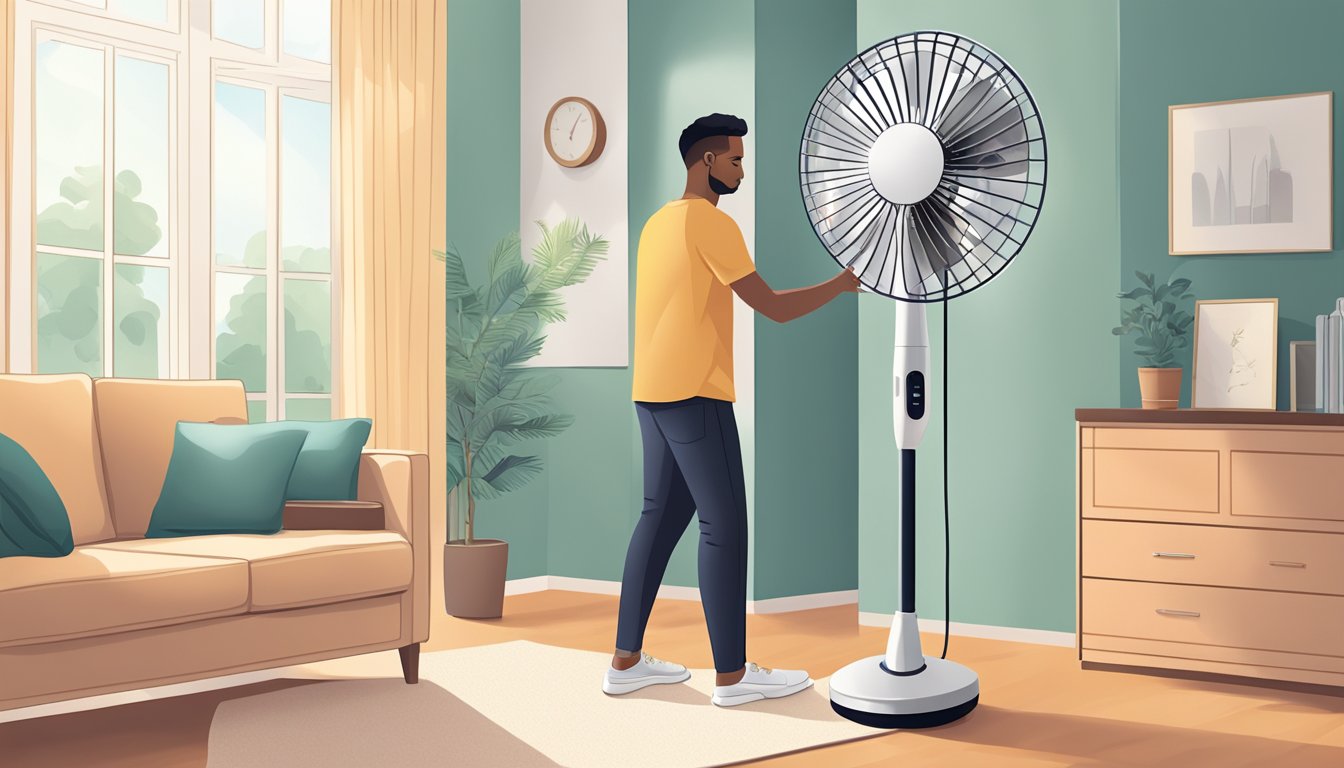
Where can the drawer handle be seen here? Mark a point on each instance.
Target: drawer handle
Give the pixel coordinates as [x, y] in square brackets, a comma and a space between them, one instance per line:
[1286, 564]
[1174, 612]
[1181, 555]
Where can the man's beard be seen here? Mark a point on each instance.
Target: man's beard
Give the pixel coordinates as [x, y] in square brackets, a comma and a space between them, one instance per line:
[719, 187]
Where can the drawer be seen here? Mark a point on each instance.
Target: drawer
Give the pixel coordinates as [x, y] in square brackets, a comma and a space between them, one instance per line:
[1169, 480]
[1201, 554]
[1219, 616]
[1287, 486]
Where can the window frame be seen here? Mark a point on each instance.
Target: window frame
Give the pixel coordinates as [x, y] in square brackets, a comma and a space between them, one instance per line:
[195, 61]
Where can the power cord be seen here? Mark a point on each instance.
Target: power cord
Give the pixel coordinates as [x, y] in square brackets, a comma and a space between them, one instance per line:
[947, 527]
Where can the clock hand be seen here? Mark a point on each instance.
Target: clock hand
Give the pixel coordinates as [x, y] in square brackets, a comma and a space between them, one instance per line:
[576, 125]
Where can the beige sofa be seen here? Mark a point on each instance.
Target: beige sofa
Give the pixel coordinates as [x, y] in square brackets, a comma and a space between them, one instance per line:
[123, 612]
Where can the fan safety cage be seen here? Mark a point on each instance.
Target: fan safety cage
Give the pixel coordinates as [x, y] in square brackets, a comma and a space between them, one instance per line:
[987, 198]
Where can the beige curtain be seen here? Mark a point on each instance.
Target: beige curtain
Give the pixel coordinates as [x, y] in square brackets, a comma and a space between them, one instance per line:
[6, 138]
[391, 82]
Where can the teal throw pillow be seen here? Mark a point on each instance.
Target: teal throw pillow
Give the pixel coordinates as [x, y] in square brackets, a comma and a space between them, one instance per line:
[328, 465]
[226, 478]
[33, 521]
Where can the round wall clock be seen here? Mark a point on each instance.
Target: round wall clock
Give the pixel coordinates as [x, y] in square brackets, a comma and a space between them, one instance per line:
[574, 133]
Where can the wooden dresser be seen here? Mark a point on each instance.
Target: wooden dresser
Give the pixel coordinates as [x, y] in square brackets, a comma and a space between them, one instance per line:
[1212, 541]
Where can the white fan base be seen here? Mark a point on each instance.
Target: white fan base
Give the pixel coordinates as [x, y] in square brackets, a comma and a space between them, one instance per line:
[942, 692]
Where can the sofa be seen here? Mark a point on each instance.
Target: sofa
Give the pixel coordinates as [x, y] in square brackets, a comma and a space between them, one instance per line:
[122, 612]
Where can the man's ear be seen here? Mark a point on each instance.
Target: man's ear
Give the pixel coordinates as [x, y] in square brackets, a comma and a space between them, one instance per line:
[708, 159]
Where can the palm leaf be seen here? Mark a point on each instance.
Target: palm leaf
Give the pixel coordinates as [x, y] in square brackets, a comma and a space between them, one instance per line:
[454, 273]
[510, 474]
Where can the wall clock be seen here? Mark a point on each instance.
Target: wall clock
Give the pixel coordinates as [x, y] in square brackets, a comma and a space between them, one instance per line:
[575, 132]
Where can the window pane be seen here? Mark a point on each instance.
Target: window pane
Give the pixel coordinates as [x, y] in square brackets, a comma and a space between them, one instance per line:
[69, 314]
[240, 329]
[153, 11]
[256, 411]
[140, 204]
[68, 140]
[140, 342]
[307, 336]
[239, 21]
[305, 185]
[307, 29]
[240, 175]
[308, 409]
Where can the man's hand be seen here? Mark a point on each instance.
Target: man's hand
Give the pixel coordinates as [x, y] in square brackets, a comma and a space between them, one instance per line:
[846, 282]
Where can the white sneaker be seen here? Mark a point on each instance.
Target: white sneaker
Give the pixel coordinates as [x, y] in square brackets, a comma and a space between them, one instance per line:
[647, 671]
[761, 683]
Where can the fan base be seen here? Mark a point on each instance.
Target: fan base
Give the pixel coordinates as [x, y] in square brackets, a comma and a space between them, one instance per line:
[944, 691]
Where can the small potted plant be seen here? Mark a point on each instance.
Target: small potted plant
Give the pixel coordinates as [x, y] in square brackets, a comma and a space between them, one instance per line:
[1149, 310]
[493, 401]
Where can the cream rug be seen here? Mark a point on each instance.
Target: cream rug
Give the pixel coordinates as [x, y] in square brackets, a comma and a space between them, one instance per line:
[490, 706]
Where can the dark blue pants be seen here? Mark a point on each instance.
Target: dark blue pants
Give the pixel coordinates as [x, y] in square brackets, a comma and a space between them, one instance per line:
[692, 464]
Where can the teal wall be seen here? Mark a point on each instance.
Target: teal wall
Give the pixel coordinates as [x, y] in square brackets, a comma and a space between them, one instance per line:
[806, 524]
[482, 201]
[1213, 50]
[1023, 352]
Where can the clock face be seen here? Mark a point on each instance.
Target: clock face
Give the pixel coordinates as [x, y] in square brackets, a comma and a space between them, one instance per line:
[571, 132]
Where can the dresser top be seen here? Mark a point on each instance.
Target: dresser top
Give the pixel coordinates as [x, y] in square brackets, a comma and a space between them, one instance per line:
[1208, 416]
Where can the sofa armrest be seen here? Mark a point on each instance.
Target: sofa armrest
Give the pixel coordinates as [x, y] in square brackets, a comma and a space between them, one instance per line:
[399, 480]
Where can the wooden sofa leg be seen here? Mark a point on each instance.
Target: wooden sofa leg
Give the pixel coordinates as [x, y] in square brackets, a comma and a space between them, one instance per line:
[410, 662]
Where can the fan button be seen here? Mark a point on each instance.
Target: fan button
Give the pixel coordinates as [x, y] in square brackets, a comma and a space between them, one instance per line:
[914, 390]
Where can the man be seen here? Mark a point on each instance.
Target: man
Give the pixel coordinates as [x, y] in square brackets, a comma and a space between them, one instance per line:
[690, 253]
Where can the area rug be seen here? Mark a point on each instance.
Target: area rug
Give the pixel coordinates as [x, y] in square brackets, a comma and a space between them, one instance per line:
[513, 705]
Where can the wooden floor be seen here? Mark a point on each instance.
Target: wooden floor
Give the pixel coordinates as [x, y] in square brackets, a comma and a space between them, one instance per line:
[1037, 706]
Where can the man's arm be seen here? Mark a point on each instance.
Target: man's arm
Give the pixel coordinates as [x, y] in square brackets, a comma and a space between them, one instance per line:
[783, 306]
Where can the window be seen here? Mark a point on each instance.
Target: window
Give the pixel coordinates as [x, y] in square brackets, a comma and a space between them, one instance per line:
[181, 211]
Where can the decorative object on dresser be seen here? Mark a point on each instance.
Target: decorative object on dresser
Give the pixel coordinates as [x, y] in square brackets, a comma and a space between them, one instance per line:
[1302, 376]
[1251, 175]
[1212, 541]
[1161, 329]
[1330, 360]
[1236, 354]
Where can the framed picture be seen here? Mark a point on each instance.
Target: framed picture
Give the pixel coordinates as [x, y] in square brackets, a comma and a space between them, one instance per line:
[1236, 354]
[1302, 376]
[1250, 176]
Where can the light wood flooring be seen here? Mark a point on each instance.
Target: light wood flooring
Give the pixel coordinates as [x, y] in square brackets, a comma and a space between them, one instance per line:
[1038, 707]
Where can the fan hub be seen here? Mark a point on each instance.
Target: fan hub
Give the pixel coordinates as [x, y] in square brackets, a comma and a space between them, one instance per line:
[906, 163]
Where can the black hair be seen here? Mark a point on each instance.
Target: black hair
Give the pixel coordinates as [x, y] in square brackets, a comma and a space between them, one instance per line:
[709, 126]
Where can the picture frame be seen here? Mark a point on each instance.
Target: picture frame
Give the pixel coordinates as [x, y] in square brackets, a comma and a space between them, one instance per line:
[1251, 175]
[1233, 340]
[1302, 376]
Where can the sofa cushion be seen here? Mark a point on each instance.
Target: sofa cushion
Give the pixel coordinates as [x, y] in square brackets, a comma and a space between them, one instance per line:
[97, 591]
[300, 568]
[225, 478]
[136, 422]
[32, 518]
[51, 416]
[328, 464]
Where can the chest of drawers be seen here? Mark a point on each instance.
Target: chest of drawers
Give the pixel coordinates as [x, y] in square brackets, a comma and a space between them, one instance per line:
[1212, 541]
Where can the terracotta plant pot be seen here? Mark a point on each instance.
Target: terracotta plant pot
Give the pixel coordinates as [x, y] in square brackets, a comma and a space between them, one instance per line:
[473, 578]
[1160, 388]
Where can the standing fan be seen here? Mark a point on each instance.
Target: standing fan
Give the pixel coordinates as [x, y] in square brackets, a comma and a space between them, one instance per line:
[923, 167]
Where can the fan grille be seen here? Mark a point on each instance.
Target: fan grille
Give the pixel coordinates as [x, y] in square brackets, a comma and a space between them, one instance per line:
[983, 208]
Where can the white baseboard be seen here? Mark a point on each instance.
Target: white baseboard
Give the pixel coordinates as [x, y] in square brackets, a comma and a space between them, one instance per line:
[672, 592]
[1014, 634]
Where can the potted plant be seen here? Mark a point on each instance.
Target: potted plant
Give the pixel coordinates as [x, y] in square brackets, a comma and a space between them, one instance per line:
[1151, 313]
[493, 401]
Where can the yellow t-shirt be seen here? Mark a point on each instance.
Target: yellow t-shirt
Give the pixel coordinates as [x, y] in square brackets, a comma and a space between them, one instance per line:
[688, 254]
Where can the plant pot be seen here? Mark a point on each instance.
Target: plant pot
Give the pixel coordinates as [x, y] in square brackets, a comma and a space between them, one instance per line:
[473, 578]
[1160, 388]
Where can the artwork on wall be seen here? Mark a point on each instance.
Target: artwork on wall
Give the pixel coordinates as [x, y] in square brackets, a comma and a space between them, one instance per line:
[1302, 376]
[1250, 176]
[1236, 354]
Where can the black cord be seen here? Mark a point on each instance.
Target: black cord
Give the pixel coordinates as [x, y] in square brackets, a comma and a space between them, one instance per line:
[947, 528]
